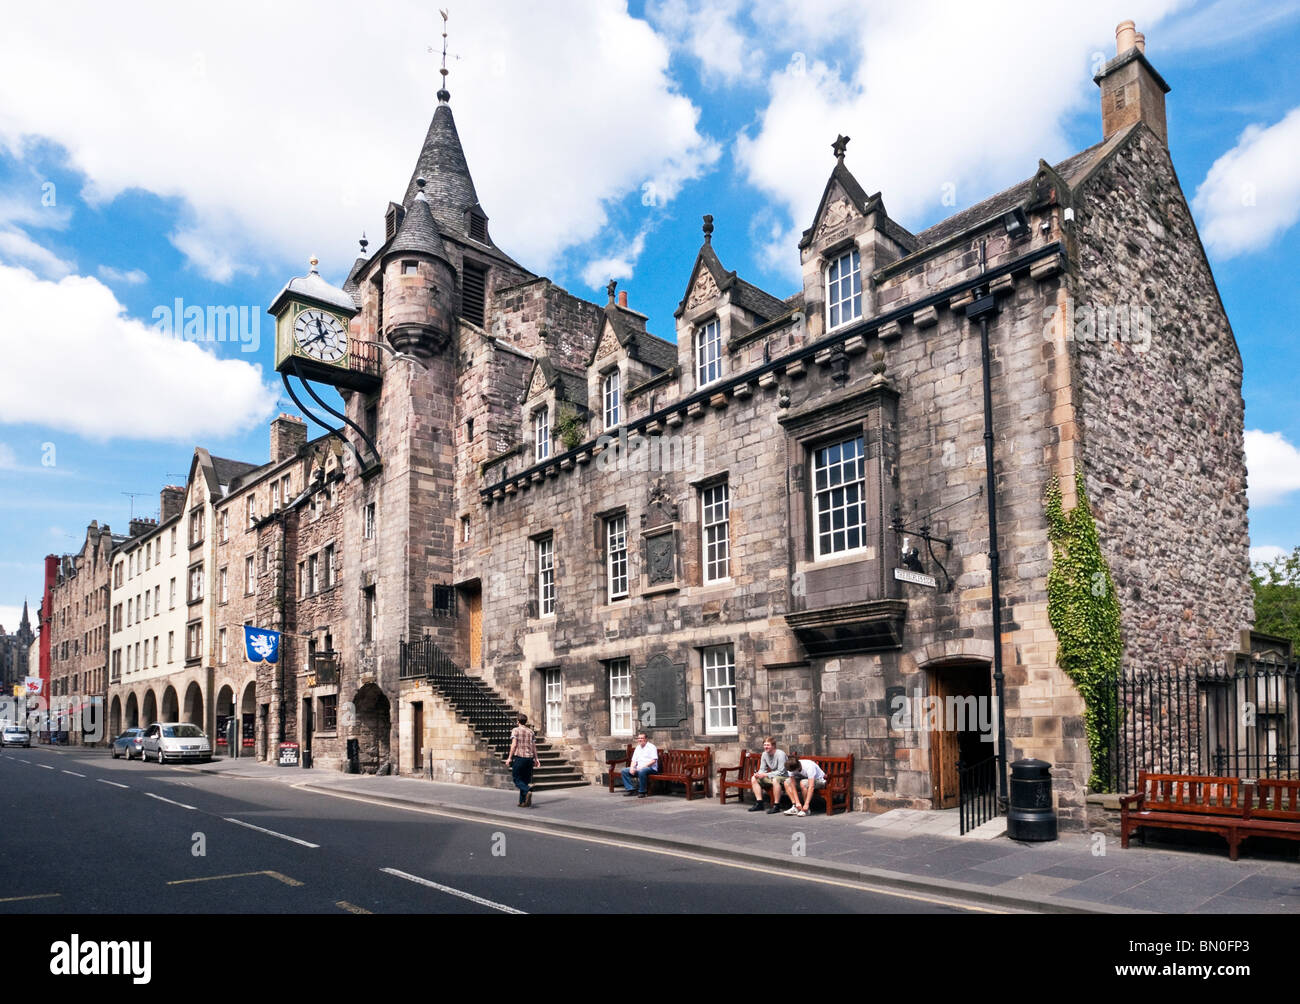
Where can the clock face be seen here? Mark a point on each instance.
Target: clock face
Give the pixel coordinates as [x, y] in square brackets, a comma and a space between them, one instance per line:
[320, 335]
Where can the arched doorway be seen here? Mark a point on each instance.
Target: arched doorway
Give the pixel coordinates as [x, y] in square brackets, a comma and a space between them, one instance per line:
[224, 710]
[373, 725]
[194, 705]
[150, 714]
[960, 718]
[170, 706]
[132, 712]
[247, 716]
[115, 718]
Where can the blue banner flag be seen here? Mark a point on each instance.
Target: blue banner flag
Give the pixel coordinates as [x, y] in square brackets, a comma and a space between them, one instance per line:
[261, 645]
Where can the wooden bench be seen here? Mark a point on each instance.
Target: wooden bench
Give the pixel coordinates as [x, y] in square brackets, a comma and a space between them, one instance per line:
[744, 772]
[692, 768]
[1272, 809]
[839, 778]
[1204, 803]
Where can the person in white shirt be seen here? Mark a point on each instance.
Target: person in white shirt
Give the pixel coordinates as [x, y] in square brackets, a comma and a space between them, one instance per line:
[807, 777]
[645, 761]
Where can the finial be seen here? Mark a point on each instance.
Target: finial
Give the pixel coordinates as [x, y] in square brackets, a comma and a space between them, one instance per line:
[708, 228]
[314, 262]
[839, 146]
[364, 243]
[444, 95]
[613, 285]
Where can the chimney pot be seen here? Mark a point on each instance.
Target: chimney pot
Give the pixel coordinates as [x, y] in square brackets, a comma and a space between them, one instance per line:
[1141, 43]
[1125, 37]
[622, 298]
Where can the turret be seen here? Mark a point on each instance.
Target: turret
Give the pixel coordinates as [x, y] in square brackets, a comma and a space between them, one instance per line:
[419, 284]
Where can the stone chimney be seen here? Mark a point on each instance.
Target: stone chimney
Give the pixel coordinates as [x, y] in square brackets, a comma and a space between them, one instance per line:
[142, 526]
[171, 500]
[1131, 89]
[288, 436]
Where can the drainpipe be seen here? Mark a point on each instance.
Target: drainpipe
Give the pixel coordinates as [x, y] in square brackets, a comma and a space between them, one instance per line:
[983, 308]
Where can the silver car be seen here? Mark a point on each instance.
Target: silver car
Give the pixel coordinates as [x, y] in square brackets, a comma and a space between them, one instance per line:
[175, 741]
[16, 735]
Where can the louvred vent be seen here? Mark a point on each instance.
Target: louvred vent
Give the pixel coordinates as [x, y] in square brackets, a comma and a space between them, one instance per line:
[474, 294]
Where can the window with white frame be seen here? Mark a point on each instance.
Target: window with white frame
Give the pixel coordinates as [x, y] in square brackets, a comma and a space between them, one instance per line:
[542, 435]
[171, 595]
[843, 290]
[196, 584]
[250, 575]
[466, 533]
[613, 395]
[616, 556]
[194, 641]
[545, 576]
[370, 614]
[157, 600]
[313, 574]
[554, 702]
[715, 529]
[225, 525]
[621, 718]
[369, 532]
[251, 503]
[155, 650]
[173, 536]
[221, 636]
[708, 353]
[329, 566]
[223, 586]
[719, 663]
[171, 646]
[839, 490]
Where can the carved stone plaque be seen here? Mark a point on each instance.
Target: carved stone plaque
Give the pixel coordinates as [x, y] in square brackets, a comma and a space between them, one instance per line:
[661, 558]
[661, 690]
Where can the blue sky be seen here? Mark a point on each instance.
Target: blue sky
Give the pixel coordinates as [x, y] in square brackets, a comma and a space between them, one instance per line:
[206, 154]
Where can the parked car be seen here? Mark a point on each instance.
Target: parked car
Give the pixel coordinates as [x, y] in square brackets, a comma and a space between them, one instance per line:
[175, 741]
[128, 744]
[16, 735]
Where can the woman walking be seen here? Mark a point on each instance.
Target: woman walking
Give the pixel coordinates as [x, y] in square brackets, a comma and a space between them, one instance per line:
[523, 758]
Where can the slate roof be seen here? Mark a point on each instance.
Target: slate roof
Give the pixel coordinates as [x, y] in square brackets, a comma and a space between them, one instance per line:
[656, 351]
[629, 326]
[418, 232]
[227, 471]
[448, 183]
[570, 386]
[1002, 202]
[743, 294]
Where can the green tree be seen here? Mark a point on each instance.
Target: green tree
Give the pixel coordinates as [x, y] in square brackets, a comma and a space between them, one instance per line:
[1277, 596]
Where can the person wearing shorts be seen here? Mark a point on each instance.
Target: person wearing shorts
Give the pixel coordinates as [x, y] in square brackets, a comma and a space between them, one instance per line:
[770, 774]
[805, 777]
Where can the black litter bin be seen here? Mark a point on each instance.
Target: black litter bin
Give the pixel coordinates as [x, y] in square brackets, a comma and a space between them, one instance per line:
[1030, 815]
[306, 759]
[354, 756]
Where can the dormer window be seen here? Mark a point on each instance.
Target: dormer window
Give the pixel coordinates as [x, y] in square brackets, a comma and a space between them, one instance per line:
[613, 396]
[843, 290]
[708, 353]
[542, 435]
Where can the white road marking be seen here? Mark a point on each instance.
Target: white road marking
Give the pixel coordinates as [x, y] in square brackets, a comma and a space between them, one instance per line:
[282, 836]
[113, 783]
[21, 760]
[74, 773]
[168, 800]
[452, 892]
[44, 766]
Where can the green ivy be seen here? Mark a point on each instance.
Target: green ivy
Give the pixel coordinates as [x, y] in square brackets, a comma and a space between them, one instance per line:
[569, 427]
[1083, 609]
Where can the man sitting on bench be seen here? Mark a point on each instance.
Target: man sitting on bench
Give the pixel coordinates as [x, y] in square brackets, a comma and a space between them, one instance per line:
[807, 776]
[645, 761]
[770, 774]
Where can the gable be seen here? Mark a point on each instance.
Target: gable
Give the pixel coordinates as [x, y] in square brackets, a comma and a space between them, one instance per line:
[537, 384]
[704, 290]
[837, 215]
[608, 343]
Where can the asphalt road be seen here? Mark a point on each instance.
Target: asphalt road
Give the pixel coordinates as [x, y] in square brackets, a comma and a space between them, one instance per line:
[82, 833]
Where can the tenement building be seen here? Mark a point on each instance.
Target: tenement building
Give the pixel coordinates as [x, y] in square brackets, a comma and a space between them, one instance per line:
[773, 521]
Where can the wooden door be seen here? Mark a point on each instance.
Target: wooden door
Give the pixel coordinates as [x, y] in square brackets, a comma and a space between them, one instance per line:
[945, 748]
[475, 598]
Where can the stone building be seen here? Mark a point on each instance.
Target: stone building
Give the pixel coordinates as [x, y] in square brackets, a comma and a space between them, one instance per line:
[15, 650]
[78, 621]
[773, 522]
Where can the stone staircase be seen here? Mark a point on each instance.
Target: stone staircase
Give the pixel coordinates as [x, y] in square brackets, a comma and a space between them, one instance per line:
[486, 712]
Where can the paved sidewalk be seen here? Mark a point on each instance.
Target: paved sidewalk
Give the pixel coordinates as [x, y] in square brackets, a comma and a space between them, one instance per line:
[1064, 876]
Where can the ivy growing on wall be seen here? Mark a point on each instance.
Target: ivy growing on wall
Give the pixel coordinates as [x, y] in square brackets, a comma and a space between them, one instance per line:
[1084, 612]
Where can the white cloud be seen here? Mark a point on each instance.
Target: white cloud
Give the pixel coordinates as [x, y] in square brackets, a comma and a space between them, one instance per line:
[1252, 193]
[711, 35]
[12, 616]
[8, 459]
[130, 277]
[1267, 552]
[932, 93]
[289, 138]
[621, 264]
[17, 248]
[1272, 466]
[75, 362]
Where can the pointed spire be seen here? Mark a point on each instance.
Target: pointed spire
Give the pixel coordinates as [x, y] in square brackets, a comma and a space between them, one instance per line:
[419, 230]
[442, 163]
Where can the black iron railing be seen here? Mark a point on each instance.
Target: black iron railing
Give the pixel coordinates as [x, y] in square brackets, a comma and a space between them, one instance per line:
[977, 787]
[423, 658]
[1242, 721]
